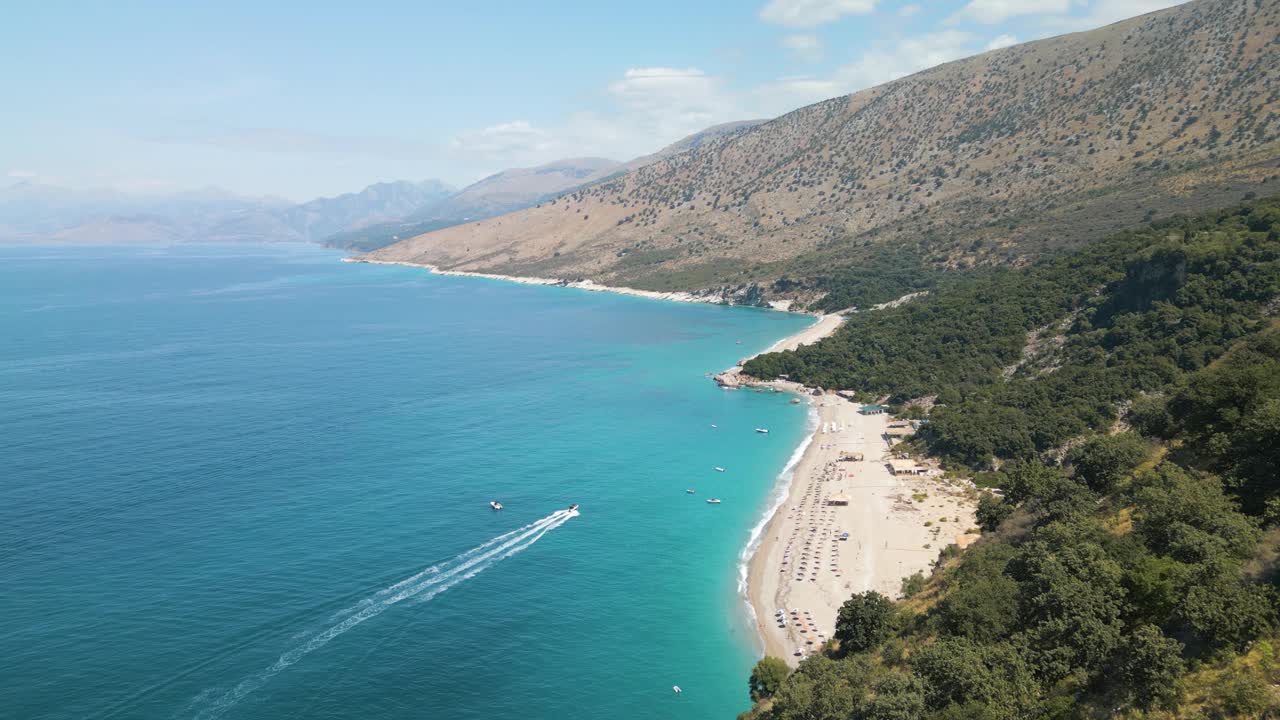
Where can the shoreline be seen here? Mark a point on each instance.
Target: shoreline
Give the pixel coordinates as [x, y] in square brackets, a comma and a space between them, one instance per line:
[710, 298]
[895, 524]
[794, 558]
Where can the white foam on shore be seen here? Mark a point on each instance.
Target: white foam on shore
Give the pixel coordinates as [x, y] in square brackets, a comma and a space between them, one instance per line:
[777, 498]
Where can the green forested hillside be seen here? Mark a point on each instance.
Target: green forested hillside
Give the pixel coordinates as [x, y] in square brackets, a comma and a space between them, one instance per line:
[1021, 360]
[1135, 577]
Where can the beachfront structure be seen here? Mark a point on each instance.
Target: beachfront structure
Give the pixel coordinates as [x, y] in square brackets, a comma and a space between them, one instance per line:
[871, 410]
[905, 467]
[839, 499]
[899, 432]
[853, 456]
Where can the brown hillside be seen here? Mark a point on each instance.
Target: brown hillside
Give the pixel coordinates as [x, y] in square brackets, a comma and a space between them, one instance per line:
[994, 158]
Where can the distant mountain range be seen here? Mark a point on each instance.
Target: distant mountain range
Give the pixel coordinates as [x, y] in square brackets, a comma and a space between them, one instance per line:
[32, 212]
[318, 219]
[497, 194]
[376, 216]
[989, 160]
[520, 188]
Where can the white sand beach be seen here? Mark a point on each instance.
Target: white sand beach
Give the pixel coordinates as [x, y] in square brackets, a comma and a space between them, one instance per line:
[896, 525]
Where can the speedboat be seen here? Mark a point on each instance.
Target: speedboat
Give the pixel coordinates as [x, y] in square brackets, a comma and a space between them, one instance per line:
[713, 501]
[762, 430]
[573, 507]
[690, 491]
[495, 504]
[719, 469]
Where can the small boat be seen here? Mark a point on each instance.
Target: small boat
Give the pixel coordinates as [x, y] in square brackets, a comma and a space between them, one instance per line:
[719, 469]
[763, 430]
[714, 425]
[495, 504]
[690, 491]
[573, 507]
[676, 689]
[713, 501]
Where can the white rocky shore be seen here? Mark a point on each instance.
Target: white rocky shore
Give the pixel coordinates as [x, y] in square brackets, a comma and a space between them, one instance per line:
[709, 297]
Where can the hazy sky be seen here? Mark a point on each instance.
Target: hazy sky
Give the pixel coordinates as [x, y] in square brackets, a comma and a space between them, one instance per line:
[307, 99]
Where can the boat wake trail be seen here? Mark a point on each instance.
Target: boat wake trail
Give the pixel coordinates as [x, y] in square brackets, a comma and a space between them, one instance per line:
[420, 587]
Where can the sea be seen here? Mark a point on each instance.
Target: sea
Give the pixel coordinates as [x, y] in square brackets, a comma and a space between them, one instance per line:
[253, 481]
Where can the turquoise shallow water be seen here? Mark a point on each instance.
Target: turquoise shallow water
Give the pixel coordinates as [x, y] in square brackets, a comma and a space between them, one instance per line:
[215, 461]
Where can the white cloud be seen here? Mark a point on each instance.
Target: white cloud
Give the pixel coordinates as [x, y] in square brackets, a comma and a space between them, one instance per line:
[644, 86]
[1060, 14]
[908, 56]
[908, 10]
[514, 138]
[804, 45]
[1002, 41]
[650, 107]
[786, 94]
[671, 98]
[1105, 12]
[996, 11]
[872, 68]
[23, 174]
[812, 13]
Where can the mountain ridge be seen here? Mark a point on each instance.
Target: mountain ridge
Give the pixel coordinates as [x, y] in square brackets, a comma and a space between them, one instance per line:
[992, 159]
[515, 189]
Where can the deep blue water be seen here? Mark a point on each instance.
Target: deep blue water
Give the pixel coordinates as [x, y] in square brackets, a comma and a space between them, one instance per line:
[214, 458]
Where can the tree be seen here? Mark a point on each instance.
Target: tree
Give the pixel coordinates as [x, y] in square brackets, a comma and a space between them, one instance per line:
[1101, 462]
[821, 689]
[1071, 602]
[1222, 612]
[1147, 667]
[864, 621]
[897, 696]
[1024, 481]
[767, 677]
[992, 511]
[958, 672]
[984, 609]
[1189, 517]
[1149, 415]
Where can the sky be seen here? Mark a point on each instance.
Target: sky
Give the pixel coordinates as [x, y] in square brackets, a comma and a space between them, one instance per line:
[300, 100]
